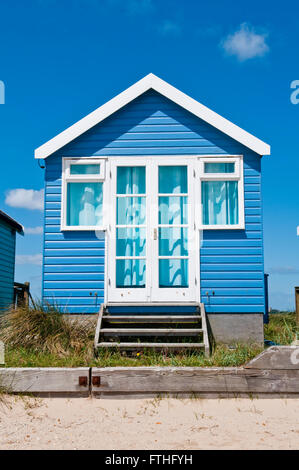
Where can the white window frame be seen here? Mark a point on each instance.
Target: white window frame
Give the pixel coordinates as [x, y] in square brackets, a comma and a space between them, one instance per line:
[238, 176]
[91, 178]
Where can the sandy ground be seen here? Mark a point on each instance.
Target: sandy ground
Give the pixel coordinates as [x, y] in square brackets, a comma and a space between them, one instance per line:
[167, 423]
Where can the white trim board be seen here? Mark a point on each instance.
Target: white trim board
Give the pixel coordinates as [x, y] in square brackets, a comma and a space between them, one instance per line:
[151, 81]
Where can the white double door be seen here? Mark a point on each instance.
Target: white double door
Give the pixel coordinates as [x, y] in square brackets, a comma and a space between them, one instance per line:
[153, 250]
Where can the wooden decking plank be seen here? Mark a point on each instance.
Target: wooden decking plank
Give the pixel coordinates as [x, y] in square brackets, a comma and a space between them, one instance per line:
[149, 345]
[152, 318]
[152, 331]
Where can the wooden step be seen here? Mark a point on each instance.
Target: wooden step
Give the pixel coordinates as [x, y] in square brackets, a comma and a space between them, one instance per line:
[148, 305]
[125, 322]
[151, 345]
[151, 331]
[152, 318]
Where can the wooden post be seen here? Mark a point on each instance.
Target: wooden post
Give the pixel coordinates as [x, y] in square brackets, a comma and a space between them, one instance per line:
[297, 304]
[26, 293]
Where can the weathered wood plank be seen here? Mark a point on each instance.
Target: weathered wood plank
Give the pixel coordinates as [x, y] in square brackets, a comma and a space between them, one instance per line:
[44, 380]
[152, 318]
[2, 353]
[197, 380]
[151, 331]
[150, 345]
[276, 357]
[205, 329]
[98, 327]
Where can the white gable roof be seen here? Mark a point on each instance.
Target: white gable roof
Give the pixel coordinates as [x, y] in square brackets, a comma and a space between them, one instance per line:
[151, 81]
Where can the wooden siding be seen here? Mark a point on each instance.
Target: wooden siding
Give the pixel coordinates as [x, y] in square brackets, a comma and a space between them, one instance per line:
[7, 264]
[231, 261]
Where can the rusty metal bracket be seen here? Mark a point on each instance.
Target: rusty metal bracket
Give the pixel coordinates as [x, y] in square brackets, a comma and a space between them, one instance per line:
[96, 381]
[83, 381]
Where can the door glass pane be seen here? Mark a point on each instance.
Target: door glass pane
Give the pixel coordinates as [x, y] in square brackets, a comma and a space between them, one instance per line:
[219, 167]
[88, 169]
[131, 180]
[172, 179]
[173, 273]
[130, 211]
[130, 242]
[173, 241]
[84, 204]
[130, 273]
[220, 202]
[173, 210]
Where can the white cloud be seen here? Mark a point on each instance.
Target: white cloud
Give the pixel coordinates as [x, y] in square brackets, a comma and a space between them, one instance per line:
[25, 198]
[29, 259]
[170, 28]
[246, 43]
[33, 230]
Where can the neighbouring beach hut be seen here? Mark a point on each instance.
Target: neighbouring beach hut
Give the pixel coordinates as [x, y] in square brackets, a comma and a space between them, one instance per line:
[8, 229]
[153, 206]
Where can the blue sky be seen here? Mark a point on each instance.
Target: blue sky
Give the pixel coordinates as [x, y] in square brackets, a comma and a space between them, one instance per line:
[59, 60]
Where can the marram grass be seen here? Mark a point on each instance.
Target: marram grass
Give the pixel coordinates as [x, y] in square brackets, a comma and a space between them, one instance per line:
[43, 329]
[42, 337]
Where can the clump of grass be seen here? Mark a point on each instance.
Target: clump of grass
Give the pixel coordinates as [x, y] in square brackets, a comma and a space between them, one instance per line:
[42, 328]
[222, 356]
[43, 337]
[282, 328]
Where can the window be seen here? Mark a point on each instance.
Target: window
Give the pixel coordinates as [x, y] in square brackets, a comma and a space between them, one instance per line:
[82, 194]
[222, 193]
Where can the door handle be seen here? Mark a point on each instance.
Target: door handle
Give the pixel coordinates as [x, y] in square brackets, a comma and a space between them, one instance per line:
[155, 234]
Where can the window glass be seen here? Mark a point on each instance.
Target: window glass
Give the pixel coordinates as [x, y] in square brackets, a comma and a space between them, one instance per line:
[219, 167]
[220, 202]
[173, 273]
[172, 179]
[131, 180]
[88, 169]
[130, 273]
[84, 204]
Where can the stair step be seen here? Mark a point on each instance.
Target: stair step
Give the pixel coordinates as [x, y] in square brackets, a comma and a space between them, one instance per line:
[151, 304]
[152, 318]
[151, 345]
[172, 321]
[152, 331]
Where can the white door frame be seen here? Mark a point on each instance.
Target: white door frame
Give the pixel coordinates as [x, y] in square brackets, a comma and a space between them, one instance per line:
[152, 293]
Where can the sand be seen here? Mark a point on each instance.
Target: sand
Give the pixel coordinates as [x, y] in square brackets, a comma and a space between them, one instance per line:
[167, 423]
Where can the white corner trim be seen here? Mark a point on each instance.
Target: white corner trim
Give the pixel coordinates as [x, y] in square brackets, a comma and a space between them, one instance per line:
[151, 81]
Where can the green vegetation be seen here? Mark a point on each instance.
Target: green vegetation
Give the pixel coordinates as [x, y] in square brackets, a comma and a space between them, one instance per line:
[222, 356]
[43, 329]
[42, 337]
[282, 328]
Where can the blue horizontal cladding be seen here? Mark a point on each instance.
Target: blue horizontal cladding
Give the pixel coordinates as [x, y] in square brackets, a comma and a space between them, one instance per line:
[243, 276]
[233, 285]
[240, 308]
[70, 284]
[73, 268]
[152, 309]
[93, 302]
[88, 269]
[7, 265]
[70, 293]
[231, 260]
